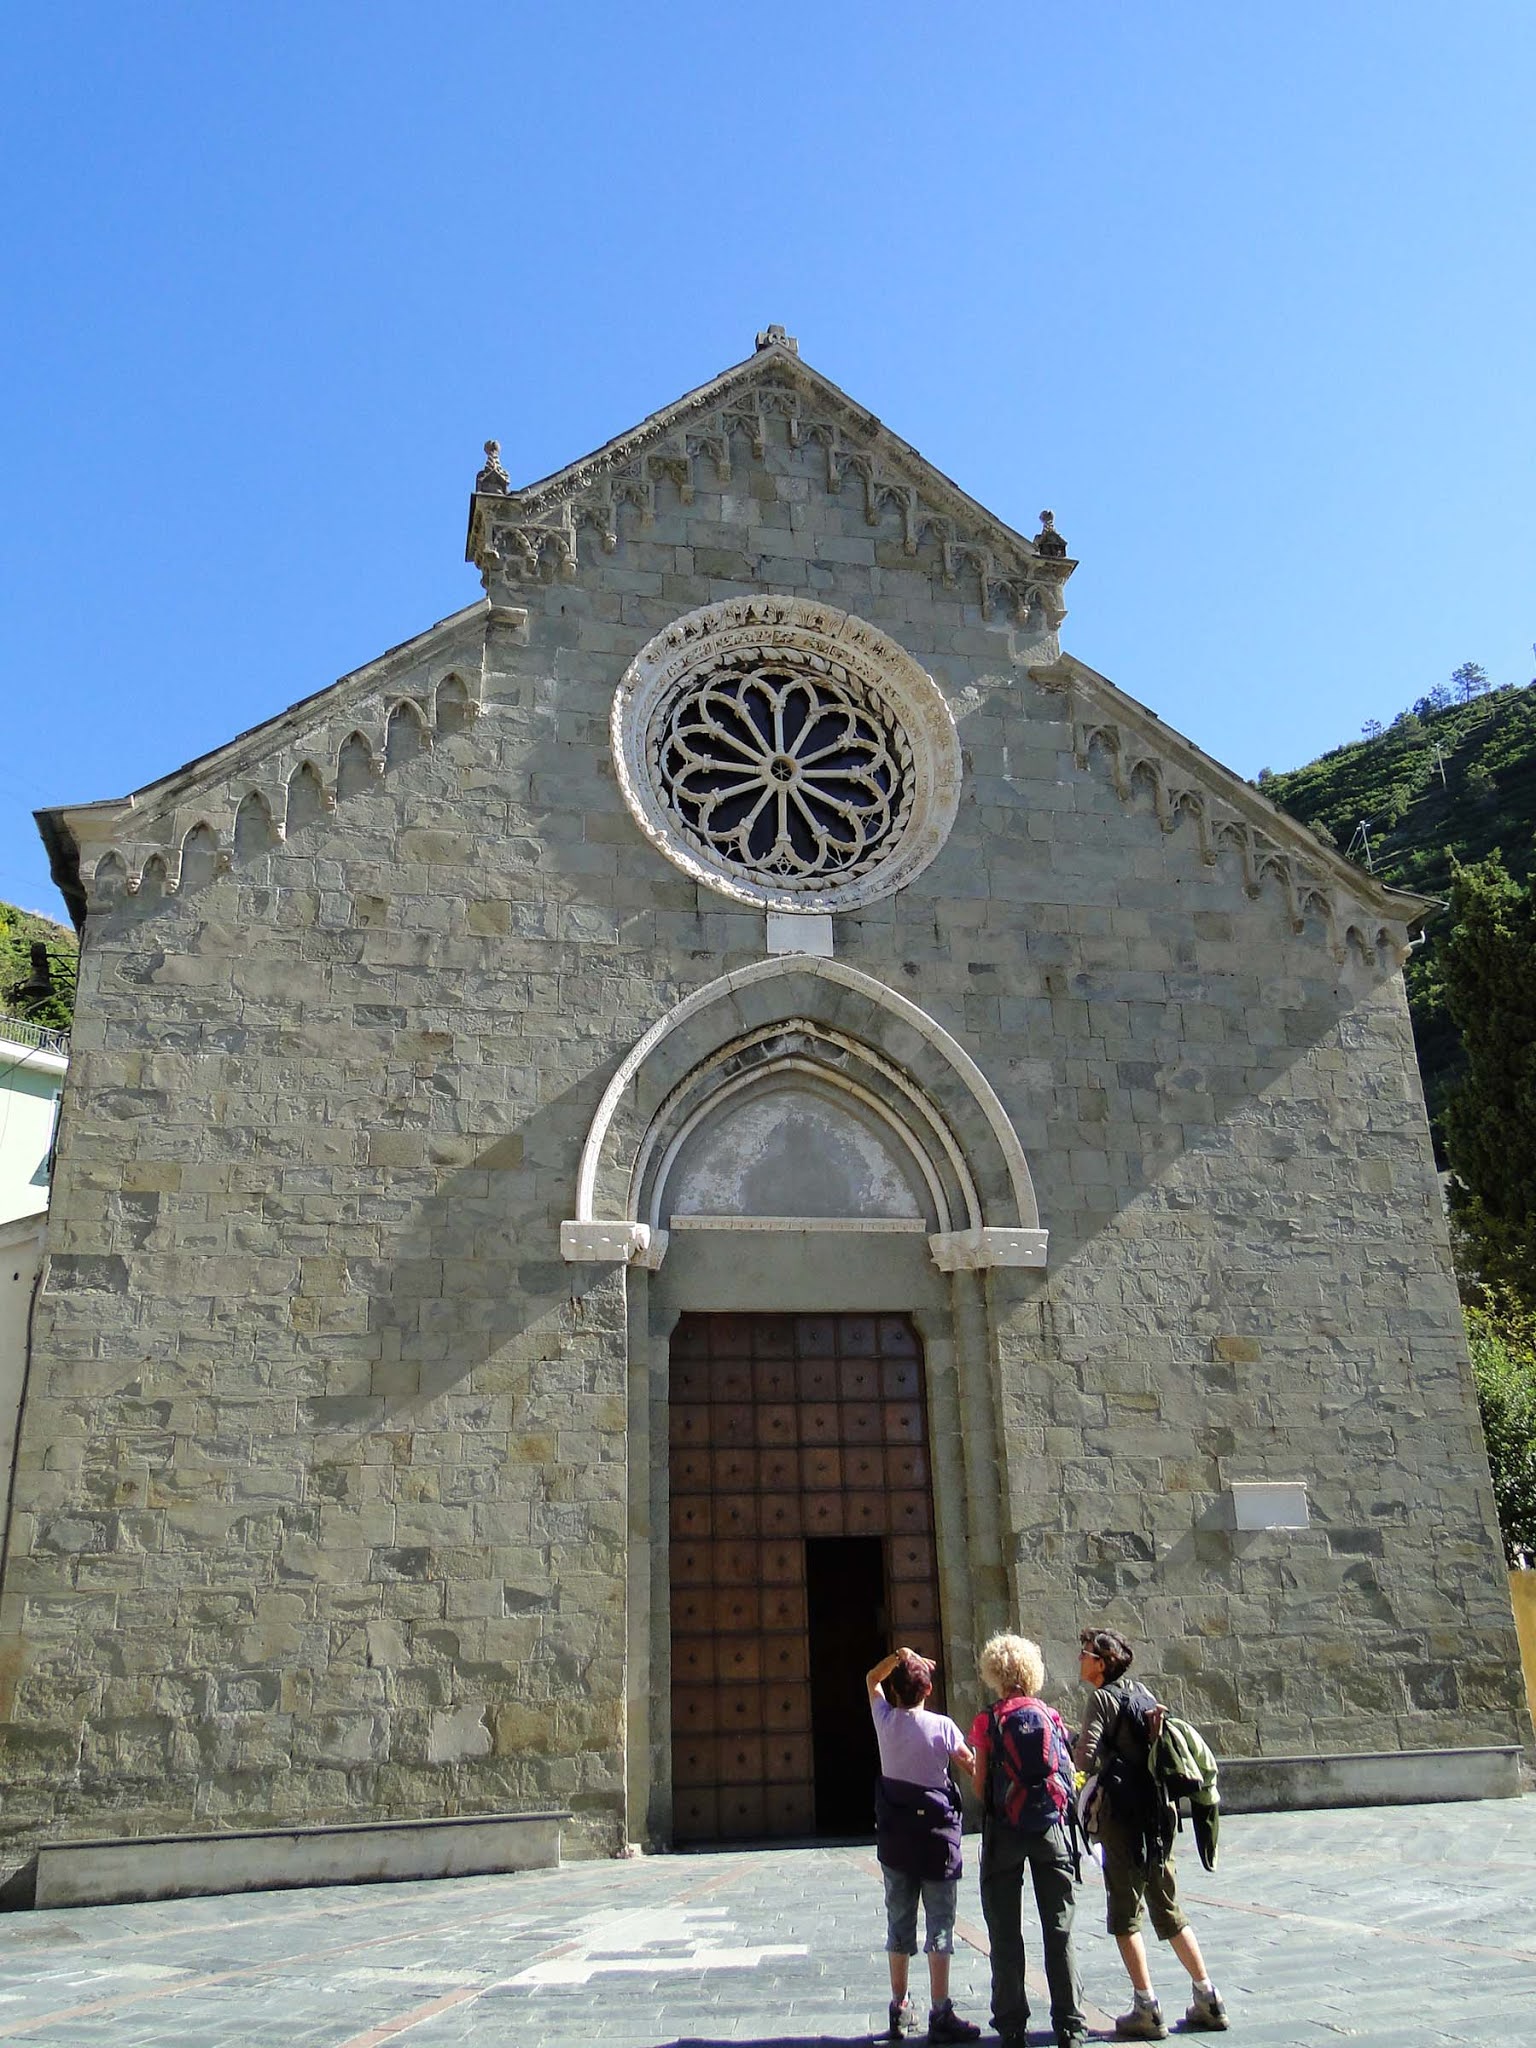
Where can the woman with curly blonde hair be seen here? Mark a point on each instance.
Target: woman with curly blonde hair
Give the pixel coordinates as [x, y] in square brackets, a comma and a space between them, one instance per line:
[1023, 1775]
[1012, 1666]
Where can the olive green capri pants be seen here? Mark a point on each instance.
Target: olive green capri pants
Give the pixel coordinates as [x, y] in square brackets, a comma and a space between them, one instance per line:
[1127, 1888]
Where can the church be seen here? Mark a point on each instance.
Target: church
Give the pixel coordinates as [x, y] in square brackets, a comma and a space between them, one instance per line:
[728, 1105]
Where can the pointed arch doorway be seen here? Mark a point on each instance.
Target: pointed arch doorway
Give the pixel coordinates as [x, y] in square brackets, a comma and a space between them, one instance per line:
[802, 1545]
[791, 1159]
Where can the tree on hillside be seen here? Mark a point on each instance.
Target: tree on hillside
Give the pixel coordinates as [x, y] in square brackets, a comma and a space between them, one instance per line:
[1488, 961]
[1469, 681]
[21, 991]
[1501, 1338]
[1478, 783]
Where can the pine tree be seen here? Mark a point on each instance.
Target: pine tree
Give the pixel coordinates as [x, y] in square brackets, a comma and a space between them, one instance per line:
[1488, 961]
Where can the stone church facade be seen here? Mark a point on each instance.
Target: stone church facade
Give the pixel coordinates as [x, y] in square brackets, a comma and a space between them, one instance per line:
[728, 1102]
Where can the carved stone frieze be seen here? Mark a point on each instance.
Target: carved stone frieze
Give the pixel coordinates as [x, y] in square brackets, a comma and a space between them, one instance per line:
[304, 776]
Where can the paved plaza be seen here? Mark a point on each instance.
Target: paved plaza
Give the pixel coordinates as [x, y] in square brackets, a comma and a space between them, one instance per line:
[1386, 1926]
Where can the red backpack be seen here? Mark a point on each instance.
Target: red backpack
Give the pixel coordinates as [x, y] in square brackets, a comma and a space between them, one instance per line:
[1030, 1776]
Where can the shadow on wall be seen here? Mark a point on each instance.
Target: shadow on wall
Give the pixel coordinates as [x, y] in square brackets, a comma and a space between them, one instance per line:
[484, 1246]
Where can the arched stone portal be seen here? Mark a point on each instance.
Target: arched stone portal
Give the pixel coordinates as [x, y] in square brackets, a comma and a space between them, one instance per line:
[787, 1163]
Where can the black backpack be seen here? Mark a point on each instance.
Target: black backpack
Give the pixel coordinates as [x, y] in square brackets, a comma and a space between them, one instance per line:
[1128, 1791]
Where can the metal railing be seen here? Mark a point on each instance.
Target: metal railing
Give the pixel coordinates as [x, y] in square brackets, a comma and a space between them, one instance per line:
[22, 1031]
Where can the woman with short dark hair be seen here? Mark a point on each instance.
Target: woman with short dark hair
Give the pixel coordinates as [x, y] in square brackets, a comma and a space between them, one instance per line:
[917, 1837]
[1114, 1743]
[1111, 1649]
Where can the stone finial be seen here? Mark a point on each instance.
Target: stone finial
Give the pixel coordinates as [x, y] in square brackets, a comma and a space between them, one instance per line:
[775, 337]
[493, 478]
[1048, 541]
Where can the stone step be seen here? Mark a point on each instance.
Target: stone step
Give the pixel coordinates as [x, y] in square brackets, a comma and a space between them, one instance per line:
[1396, 1777]
[113, 1872]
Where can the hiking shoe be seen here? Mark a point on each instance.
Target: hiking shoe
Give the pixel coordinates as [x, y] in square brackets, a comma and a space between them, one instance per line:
[1206, 2015]
[902, 2020]
[1142, 2023]
[945, 2024]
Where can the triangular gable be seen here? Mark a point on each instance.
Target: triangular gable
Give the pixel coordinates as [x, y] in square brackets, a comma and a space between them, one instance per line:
[531, 533]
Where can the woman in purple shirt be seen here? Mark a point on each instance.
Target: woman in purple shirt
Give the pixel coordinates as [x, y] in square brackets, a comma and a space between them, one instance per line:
[917, 1836]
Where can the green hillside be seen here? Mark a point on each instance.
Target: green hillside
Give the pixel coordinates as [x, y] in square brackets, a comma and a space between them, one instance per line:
[1446, 782]
[20, 930]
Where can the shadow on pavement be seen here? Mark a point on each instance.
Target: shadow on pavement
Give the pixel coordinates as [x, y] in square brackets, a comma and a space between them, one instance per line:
[864, 2038]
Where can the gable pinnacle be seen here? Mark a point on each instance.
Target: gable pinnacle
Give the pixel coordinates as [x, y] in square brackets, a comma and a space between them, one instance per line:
[493, 478]
[775, 337]
[1048, 541]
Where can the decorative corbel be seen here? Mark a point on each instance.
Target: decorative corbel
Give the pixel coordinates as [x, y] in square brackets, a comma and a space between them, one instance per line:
[974, 1251]
[604, 1244]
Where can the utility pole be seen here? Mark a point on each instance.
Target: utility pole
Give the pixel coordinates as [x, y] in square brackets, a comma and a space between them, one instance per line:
[1362, 839]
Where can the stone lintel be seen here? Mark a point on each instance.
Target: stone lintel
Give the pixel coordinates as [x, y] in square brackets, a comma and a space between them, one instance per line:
[969, 1251]
[858, 1225]
[603, 1244]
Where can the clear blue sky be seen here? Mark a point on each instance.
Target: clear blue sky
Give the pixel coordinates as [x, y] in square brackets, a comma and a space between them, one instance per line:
[1245, 291]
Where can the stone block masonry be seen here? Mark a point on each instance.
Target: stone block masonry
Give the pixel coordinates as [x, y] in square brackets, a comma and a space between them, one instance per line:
[335, 1497]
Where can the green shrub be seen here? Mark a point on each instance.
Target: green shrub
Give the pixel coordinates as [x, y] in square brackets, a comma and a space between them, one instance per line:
[1501, 1337]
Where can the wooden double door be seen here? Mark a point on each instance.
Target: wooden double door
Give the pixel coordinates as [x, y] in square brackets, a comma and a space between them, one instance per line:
[801, 1550]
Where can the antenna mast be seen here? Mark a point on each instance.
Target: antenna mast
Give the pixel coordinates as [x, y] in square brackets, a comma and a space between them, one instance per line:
[1362, 840]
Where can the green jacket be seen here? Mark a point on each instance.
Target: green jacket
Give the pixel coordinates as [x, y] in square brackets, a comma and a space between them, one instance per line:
[1183, 1762]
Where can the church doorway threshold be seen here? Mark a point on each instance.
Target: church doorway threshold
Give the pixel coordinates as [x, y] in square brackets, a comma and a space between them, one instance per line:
[801, 1548]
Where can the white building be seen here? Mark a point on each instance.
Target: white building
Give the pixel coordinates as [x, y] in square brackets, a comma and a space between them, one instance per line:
[32, 1063]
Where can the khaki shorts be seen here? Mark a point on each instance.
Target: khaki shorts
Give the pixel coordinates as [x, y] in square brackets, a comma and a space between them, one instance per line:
[1126, 1889]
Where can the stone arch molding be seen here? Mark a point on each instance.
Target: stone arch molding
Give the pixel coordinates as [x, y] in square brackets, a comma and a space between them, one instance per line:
[804, 1015]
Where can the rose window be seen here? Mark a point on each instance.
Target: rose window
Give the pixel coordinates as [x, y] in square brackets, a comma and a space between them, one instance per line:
[783, 772]
[786, 754]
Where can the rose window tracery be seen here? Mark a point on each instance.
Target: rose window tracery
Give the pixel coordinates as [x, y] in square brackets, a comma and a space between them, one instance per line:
[786, 754]
[782, 771]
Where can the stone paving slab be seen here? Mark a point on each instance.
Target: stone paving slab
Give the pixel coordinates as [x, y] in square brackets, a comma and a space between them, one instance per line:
[1387, 1926]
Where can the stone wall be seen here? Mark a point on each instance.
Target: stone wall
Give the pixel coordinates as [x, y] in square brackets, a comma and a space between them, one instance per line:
[325, 1496]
